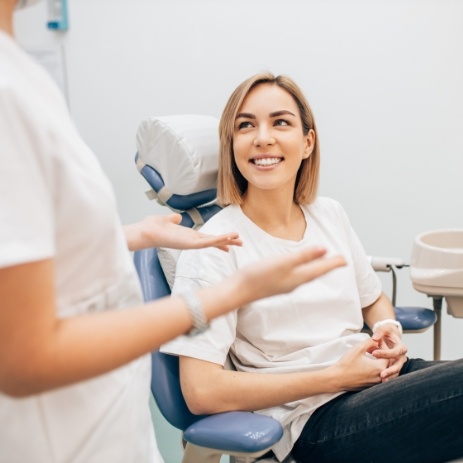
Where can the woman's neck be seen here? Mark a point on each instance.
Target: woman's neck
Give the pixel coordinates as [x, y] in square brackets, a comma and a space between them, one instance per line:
[275, 213]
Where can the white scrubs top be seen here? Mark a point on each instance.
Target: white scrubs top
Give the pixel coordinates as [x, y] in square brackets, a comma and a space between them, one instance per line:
[55, 202]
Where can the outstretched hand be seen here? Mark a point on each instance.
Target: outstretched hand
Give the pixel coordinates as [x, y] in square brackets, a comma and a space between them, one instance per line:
[391, 348]
[273, 276]
[165, 231]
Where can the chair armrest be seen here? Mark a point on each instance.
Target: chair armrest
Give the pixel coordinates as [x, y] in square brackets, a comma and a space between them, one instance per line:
[235, 432]
[415, 319]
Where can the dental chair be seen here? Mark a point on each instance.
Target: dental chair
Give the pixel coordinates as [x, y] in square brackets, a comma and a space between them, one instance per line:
[177, 156]
[206, 438]
[190, 169]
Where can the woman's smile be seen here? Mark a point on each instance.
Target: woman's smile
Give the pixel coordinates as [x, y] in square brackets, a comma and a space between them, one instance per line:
[266, 161]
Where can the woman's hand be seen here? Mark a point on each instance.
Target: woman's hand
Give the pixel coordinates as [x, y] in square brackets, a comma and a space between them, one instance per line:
[165, 231]
[391, 348]
[358, 369]
[388, 337]
[283, 274]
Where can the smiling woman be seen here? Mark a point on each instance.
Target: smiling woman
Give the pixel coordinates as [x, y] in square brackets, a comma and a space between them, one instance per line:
[302, 358]
[269, 144]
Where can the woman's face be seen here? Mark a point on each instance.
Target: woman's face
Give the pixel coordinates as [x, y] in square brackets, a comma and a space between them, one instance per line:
[268, 142]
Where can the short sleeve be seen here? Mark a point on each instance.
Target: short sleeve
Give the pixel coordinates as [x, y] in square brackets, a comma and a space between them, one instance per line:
[26, 202]
[198, 269]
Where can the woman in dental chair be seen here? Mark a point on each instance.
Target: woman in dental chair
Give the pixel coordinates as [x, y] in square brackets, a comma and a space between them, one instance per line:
[75, 336]
[340, 395]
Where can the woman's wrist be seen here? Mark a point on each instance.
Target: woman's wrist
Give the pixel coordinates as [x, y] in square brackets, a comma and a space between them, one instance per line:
[223, 297]
[133, 236]
[388, 321]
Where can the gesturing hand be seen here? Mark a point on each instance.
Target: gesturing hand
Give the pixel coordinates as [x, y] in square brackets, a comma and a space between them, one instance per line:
[283, 274]
[165, 231]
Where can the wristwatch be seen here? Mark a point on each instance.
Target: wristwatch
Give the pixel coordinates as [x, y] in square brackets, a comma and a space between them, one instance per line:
[195, 309]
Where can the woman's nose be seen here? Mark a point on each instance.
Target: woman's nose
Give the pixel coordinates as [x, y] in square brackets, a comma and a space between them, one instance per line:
[264, 137]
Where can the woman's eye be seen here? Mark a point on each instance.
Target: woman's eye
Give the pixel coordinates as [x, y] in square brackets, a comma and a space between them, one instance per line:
[244, 125]
[281, 122]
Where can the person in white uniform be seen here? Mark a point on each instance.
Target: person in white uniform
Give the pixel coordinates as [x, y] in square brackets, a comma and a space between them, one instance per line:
[302, 357]
[74, 332]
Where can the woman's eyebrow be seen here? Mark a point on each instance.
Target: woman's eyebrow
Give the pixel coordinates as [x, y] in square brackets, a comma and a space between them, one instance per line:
[281, 112]
[246, 115]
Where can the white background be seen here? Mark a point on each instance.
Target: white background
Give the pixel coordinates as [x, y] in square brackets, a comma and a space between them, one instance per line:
[384, 78]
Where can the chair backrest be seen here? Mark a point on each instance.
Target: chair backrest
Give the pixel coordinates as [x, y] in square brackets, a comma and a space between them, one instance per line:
[165, 381]
[178, 157]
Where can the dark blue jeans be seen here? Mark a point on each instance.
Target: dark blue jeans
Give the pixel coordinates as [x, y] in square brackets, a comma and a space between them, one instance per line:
[417, 417]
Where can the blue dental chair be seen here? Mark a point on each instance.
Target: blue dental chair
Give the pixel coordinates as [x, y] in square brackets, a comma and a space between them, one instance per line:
[187, 141]
[207, 437]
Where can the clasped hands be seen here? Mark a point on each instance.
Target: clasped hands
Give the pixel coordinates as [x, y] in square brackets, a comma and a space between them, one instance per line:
[391, 348]
[376, 360]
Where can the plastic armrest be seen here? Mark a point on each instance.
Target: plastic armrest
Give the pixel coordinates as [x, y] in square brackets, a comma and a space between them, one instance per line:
[235, 432]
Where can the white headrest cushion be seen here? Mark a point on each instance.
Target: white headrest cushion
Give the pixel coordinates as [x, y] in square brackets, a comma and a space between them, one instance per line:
[184, 150]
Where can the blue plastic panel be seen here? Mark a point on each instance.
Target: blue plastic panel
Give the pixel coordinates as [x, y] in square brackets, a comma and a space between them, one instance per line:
[235, 432]
[415, 318]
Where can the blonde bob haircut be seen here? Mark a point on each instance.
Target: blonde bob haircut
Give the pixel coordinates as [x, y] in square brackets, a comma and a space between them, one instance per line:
[231, 184]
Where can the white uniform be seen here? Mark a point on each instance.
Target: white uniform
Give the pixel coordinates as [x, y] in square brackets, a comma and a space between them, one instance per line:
[55, 202]
[306, 330]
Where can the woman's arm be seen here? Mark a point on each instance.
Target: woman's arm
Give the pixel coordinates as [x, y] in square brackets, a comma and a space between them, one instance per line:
[208, 388]
[381, 309]
[164, 231]
[39, 351]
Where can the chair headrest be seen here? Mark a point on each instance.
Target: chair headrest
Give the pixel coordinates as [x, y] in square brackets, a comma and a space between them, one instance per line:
[178, 156]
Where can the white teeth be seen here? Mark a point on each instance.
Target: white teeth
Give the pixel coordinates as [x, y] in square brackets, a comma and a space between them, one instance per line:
[266, 161]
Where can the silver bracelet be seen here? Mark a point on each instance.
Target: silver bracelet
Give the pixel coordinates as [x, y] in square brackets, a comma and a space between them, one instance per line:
[385, 322]
[195, 309]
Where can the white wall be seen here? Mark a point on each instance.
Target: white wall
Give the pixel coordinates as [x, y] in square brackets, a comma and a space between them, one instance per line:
[384, 78]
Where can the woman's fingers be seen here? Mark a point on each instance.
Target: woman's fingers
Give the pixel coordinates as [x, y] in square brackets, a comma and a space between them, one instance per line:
[310, 264]
[222, 242]
[283, 274]
[393, 370]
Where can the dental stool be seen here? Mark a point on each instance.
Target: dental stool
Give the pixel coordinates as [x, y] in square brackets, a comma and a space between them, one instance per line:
[178, 157]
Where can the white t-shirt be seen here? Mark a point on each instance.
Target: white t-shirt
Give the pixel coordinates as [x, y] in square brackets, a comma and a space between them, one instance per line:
[55, 202]
[306, 330]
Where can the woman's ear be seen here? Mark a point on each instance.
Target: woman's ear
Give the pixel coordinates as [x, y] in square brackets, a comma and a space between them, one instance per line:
[309, 143]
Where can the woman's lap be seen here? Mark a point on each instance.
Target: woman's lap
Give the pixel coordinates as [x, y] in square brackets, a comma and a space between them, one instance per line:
[416, 417]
